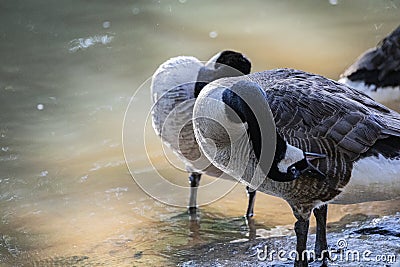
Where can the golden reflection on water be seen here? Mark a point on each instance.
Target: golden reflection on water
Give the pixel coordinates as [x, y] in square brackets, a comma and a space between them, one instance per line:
[66, 194]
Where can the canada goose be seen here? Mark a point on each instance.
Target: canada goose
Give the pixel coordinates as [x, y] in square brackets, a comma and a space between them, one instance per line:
[174, 87]
[358, 141]
[377, 71]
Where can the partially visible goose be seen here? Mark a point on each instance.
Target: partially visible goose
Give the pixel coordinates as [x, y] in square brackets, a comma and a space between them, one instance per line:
[359, 137]
[377, 71]
[174, 87]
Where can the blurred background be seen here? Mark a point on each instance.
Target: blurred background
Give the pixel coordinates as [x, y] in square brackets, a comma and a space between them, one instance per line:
[68, 71]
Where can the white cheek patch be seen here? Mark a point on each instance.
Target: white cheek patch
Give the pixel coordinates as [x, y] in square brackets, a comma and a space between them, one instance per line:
[292, 155]
[372, 179]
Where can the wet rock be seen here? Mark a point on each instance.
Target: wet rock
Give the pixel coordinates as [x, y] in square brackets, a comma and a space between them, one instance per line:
[377, 231]
[138, 255]
[64, 261]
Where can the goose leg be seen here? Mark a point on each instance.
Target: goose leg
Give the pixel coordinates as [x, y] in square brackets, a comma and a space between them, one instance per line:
[250, 207]
[252, 228]
[301, 229]
[321, 245]
[194, 180]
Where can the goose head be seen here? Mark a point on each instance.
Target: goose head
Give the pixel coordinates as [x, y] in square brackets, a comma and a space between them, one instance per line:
[290, 163]
[224, 64]
[236, 111]
[192, 75]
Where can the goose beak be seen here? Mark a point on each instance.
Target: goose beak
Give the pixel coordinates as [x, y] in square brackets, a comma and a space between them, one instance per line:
[311, 169]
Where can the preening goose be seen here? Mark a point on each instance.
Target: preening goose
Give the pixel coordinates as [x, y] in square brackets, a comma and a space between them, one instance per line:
[359, 138]
[174, 87]
[377, 71]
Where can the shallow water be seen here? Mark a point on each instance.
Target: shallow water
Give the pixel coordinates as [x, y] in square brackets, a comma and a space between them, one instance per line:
[69, 69]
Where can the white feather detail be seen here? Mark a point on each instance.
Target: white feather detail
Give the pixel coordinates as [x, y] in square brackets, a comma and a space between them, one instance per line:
[383, 95]
[372, 179]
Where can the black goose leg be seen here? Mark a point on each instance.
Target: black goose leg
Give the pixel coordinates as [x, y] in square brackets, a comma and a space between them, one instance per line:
[194, 180]
[301, 229]
[252, 228]
[321, 245]
[250, 207]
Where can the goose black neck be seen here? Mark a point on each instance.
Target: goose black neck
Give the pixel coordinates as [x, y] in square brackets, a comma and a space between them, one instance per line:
[280, 151]
[246, 115]
[197, 88]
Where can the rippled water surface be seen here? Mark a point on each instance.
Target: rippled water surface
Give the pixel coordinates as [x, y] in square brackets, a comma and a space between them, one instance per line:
[68, 71]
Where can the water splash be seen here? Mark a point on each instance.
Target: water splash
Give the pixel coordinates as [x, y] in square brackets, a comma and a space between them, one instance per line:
[44, 173]
[106, 24]
[213, 34]
[84, 43]
[9, 158]
[84, 178]
[118, 191]
[135, 11]
[40, 106]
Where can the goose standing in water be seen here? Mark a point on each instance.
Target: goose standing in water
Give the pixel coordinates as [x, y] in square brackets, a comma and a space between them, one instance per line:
[359, 138]
[175, 84]
[377, 71]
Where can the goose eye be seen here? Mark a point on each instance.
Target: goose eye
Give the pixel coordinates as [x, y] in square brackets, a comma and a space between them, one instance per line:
[293, 170]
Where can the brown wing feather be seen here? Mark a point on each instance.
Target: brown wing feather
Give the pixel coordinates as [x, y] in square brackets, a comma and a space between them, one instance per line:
[308, 106]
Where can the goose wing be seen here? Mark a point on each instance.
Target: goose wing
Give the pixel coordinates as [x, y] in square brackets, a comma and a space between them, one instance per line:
[320, 115]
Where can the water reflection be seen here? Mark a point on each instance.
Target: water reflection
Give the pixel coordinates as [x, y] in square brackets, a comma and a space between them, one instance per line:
[67, 76]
